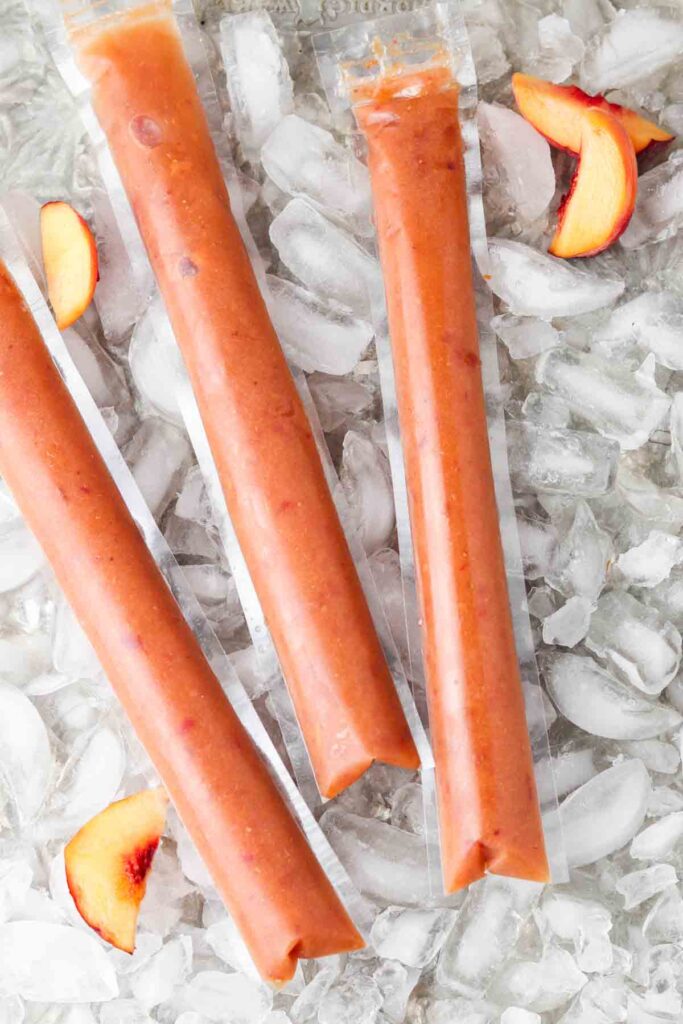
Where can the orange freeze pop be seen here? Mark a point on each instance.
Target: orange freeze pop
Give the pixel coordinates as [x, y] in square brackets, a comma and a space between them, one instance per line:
[488, 809]
[273, 885]
[279, 503]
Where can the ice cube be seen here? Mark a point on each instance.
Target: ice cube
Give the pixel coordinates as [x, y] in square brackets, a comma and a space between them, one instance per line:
[642, 647]
[386, 863]
[525, 336]
[659, 206]
[366, 479]
[538, 541]
[518, 170]
[305, 160]
[485, 933]
[561, 774]
[210, 584]
[674, 693]
[534, 284]
[557, 461]
[395, 983]
[653, 321]
[587, 17]
[355, 999]
[193, 500]
[20, 556]
[634, 45]
[584, 923]
[412, 936]
[189, 540]
[324, 257]
[15, 881]
[23, 657]
[259, 83]
[26, 763]
[518, 1015]
[600, 704]
[667, 597]
[158, 456]
[225, 940]
[639, 886]
[621, 405]
[545, 410]
[146, 945]
[103, 378]
[489, 55]
[407, 808]
[569, 624]
[676, 428]
[9, 510]
[540, 602]
[386, 571]
[166, 888]
[190, 861]
[555, 51]
[338, 400]
[123, 1011]
[74, 710]
[89, 783]
[461, 1011]
[156, 364]
[660, 840]
[558, 49]
[651, 562]
[582, 556]
[601, 1001]
[72, 653]
[604, 814]
[228, 998]
[255, 674]
[53, 963]
[305, 1007]
[664, 924]
[163, 973]
[119, 301]
[664, 800]
[656, 755]
[542, 985]
[316, 335]
[11, 1010]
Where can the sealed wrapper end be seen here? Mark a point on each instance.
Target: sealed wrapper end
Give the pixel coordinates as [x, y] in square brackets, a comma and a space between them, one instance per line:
[405, 98]
[146, 101]
[281, 899]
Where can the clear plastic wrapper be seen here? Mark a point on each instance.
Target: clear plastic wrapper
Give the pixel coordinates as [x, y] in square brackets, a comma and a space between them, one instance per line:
[184, 405]
[265, 454]
[409, 80]
[99, 433]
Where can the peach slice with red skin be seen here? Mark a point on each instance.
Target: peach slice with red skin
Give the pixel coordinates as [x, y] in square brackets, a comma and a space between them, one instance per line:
[108, 860]
[70, 260]
[557, 111]
[603, 191]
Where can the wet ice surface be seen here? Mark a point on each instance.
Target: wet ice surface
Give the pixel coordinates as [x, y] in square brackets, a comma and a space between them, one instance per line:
[591, 355]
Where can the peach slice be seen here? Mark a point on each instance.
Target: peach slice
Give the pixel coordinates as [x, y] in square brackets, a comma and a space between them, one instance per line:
[70, 258]
[107, 863]
[602, 195]
[557, 111]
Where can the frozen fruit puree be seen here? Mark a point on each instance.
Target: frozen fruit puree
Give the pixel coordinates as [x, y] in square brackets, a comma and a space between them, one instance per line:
[273, 885]
[488, 810]
[146, 100]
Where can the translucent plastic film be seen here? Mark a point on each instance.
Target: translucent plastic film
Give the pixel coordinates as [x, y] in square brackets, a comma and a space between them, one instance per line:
[409, 81]
[94, 515]
[266, 458]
